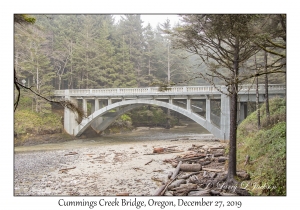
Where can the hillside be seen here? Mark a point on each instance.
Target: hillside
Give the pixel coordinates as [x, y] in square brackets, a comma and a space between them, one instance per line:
[267, 150]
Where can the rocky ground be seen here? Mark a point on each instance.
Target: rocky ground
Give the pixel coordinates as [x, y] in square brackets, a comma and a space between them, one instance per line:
[129, 168]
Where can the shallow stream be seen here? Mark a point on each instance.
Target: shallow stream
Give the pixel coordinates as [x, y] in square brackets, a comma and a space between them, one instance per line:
[191, 131]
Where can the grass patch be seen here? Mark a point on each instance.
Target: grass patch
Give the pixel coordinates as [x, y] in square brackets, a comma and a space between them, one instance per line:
[266, 148]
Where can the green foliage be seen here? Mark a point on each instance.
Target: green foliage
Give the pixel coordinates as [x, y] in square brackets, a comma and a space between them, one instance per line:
[29, 19]
[25, 102]
[267, 150]
[23, 18]
[151, 116]
[38, 122]
[277, 109]
[125, 117]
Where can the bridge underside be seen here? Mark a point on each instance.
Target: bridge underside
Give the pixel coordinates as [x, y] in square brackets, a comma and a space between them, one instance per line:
[102, 118]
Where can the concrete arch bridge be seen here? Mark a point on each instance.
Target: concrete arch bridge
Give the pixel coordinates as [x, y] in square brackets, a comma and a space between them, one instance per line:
[193, 102]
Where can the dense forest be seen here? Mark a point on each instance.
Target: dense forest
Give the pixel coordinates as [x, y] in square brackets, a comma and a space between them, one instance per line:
[96, 51]
[93, 51]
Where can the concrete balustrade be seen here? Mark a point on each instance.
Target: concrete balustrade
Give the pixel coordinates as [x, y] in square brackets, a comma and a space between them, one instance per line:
[155, 90]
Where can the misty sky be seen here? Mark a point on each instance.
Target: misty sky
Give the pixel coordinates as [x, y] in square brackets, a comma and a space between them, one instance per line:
[155, 19]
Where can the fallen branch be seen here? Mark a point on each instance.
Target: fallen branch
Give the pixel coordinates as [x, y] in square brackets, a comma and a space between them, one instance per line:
[162, 153]
[192, 158]
[63, 170]
[148, 162]
[136, 168]
[217, 148]
[247, 160]
[174, 176]
[71, 153]
[166, 186]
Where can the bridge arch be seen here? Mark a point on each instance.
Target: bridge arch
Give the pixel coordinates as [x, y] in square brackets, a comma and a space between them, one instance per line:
[129, 104]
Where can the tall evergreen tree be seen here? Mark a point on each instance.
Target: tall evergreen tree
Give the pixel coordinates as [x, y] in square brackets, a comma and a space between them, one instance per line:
[225, 41]
[132, 30]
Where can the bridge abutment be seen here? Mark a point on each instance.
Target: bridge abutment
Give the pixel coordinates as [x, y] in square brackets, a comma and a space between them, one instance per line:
[207, 109]
[69, 116]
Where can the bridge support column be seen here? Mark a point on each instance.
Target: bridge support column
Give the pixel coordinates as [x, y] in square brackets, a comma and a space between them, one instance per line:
[84, 106]
[225, 115]
[69, 116]
[243, 109]
[97, 107]
[108, 101]
[188, 104]
[207, 109]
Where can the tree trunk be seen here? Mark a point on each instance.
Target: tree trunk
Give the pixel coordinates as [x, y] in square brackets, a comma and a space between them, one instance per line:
[257, 97]
[59, 81]
[71, 59]
[232, 141]
[267, 88]
[233, 116]
[149, 63]
[169, 74]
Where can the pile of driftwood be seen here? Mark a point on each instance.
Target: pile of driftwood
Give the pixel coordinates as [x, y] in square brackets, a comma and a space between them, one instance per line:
[200, 172]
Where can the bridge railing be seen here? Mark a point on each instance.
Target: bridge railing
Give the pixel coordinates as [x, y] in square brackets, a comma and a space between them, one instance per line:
[155, 90]
[252, 87]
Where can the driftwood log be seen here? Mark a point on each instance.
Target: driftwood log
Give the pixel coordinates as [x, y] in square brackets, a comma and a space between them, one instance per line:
[184, 189]
[222, 159]
[158, 150]
[212, 169]
[199, 193]
[123, 194]
[176, 183]
[159, 190]
[191, 174]
[190, 167]
[218, 154]
[175, 173]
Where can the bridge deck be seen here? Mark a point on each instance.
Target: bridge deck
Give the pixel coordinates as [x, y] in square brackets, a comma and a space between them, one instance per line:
[150, 91]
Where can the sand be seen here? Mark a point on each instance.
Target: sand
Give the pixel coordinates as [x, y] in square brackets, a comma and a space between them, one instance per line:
[101, 170]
